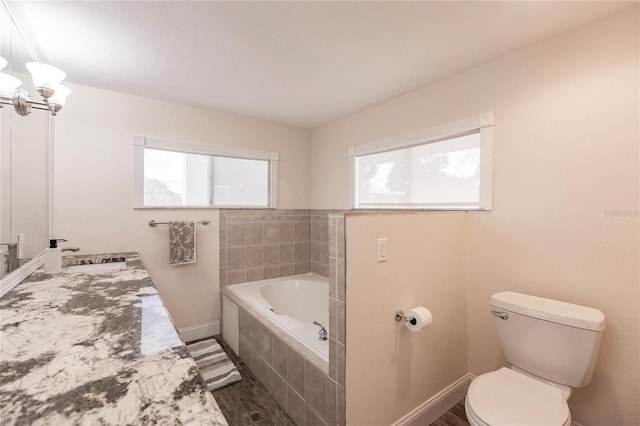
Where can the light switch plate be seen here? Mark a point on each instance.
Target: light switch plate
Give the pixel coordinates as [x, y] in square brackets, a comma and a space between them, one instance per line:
[383, 250]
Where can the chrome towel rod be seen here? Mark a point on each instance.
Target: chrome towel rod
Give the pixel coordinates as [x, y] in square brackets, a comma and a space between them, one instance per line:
[153, 223]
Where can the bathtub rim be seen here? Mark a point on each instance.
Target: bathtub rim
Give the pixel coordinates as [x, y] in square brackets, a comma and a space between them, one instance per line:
[274, 328]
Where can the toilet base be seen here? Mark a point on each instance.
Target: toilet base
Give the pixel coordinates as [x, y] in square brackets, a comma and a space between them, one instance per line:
[475, 421]
[471, 417]
[506, 396]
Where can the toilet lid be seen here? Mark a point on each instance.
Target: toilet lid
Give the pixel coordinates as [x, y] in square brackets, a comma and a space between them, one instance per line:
[505, 397]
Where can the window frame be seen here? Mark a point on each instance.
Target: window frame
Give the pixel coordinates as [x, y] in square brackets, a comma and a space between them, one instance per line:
[482, 123]
[140, 143]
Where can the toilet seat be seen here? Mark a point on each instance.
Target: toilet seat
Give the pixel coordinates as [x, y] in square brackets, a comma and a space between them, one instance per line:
[506, 397]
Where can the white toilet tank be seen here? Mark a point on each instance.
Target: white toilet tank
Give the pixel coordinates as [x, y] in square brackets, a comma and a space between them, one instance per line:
[555, 340]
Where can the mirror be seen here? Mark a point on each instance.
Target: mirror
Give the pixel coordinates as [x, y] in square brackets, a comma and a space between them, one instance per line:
[24, 163]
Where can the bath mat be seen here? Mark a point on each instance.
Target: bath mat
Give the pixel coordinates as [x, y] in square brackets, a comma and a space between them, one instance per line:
[215, 367]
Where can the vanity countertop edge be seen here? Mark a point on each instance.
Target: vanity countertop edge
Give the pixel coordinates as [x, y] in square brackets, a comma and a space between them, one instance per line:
[96, 348]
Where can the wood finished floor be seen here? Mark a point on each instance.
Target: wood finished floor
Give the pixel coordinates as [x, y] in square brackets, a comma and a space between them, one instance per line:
[453, 417]
[247, 402]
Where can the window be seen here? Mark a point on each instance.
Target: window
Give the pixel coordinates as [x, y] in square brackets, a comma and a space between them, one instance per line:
[176, 174]
[446, 167]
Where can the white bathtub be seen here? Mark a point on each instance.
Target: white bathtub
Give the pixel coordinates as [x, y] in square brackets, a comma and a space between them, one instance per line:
[292, 303]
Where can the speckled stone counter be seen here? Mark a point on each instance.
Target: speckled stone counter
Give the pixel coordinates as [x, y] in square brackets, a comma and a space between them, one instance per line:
[96, 348]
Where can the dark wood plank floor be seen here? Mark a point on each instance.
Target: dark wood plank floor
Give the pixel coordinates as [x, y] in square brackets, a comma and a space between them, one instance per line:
[247, 402]
[453, 417]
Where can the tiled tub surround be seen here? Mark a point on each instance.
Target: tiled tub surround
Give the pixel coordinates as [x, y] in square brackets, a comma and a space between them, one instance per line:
[96, 348]
[319, 242]
[294, 303]
[262, 244]
[337, 307]
[297, 378]
[281, 367]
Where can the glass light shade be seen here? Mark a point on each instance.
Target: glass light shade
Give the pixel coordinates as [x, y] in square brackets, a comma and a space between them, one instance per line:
[8, 85]
[44, 75]
[3, 63]
[60, 95]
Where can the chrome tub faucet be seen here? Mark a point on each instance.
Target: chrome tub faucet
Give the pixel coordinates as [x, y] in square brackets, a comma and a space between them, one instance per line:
[322, 334]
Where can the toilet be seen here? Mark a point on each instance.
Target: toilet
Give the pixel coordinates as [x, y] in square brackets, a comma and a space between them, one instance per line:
[552, 347]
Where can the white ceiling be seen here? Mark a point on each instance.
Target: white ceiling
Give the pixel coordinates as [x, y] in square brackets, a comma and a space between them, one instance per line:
[299, 63]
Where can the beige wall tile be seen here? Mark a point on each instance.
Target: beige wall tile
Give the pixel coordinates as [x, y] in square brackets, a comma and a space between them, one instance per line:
[287, 253]
[330, 400]
[296, 407]
[271, 272]
[295, 370]
[287, 270]
[254, 274]
[253, 256]
[280, 391]
[235, 235]
[303, 267]
[253, 234]
[271, 254]
[302, 253]
[340, 280]
[223, 238]
[301, 231]
[314, 388]
[270, 232]
[236, 277]
[223, 277]
[313, 419]
[236, 258]
[279, 356]
[286, 232]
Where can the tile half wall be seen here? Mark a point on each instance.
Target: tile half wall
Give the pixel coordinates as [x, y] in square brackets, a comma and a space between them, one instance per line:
[262, 244]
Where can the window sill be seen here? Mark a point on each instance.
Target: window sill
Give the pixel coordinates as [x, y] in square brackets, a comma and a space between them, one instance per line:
[421, 209]
[203, 208]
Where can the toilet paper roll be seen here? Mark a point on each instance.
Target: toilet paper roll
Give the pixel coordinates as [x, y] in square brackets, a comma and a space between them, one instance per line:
[418, 318]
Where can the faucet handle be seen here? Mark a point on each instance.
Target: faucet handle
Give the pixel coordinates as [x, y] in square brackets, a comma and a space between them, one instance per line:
[322, 334]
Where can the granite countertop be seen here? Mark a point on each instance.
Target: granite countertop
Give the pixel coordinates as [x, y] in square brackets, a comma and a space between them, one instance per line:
[96, 348]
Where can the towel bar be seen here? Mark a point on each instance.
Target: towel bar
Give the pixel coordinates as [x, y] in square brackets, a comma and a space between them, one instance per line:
[153, 223]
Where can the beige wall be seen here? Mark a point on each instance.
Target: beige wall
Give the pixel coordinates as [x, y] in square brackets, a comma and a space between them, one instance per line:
[566, 152]
[93, 185]
[391, 370]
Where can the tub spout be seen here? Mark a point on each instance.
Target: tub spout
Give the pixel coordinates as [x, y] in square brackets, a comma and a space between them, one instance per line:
[322, 334]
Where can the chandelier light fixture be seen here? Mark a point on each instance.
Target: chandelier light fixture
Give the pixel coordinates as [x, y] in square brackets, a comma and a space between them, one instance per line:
[46, 79]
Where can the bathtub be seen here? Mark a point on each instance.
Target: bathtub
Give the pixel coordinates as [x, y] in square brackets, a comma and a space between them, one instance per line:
[292, 303]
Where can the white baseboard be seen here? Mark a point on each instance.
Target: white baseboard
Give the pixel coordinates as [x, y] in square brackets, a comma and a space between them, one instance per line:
[429, 411]
[200, 331]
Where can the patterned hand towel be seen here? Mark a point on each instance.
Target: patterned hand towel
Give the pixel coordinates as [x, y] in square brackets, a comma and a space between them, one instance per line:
[182, 242]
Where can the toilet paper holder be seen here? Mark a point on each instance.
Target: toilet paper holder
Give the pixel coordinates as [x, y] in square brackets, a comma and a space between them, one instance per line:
[399, 315]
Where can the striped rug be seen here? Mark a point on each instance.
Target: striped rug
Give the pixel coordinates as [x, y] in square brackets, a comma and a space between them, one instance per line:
[215, 367]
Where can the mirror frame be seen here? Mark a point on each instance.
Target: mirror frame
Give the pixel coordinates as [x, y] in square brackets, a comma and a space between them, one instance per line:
[15, 277]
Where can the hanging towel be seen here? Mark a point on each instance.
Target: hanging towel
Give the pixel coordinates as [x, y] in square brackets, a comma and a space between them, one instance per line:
[182, 242]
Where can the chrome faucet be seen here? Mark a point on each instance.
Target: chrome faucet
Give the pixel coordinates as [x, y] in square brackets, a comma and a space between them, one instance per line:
[12, 256]
[73, 249]
[322, 334]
